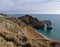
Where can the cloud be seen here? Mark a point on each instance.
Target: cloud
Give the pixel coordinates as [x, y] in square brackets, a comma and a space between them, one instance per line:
[30, 6]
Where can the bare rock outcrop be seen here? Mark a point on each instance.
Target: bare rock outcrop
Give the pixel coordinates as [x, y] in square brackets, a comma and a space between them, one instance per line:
[35, 23]
[47, 23]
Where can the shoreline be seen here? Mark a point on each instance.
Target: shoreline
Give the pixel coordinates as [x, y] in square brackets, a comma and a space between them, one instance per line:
[42, 35]
[33, 33]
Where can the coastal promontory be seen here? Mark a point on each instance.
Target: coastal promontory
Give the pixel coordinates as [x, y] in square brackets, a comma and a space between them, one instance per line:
[35, 23]
[15, 33]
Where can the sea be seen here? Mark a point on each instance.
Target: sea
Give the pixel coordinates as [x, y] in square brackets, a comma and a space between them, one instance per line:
[53, 34]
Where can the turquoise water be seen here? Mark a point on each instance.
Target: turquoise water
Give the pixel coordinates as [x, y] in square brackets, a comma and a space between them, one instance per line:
[55, 19]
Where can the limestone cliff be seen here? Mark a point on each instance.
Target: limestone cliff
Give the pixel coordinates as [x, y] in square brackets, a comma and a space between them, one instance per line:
[15, 33]
[35, 23]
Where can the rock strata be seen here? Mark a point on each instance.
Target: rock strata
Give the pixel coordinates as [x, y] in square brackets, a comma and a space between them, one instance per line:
[35, 23]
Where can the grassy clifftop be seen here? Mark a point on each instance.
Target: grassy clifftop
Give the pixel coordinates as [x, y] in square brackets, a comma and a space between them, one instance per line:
[15, 33]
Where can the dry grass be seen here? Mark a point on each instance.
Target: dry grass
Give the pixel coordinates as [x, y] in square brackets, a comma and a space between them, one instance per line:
[15, 33]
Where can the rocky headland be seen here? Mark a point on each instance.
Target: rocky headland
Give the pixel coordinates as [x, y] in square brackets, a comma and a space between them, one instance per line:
[16, 33]
[35, 23]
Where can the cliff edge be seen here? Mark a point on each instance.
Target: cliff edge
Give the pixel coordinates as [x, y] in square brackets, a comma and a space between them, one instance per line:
[35, 23]
[15, 33]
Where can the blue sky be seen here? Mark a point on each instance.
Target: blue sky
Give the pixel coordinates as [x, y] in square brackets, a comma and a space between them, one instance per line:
[30, 6]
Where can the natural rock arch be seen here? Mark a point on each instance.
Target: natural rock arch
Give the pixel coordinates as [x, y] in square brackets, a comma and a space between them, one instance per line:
[47, 23]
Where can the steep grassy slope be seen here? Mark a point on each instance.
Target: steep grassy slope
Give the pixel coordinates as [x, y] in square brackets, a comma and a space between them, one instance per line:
[15, 33]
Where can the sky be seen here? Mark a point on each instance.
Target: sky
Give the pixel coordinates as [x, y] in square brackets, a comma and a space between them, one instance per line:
[30, 6]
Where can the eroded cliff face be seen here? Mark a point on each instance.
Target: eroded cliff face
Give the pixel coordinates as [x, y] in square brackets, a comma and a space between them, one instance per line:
[35, 23]
[15, 33]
